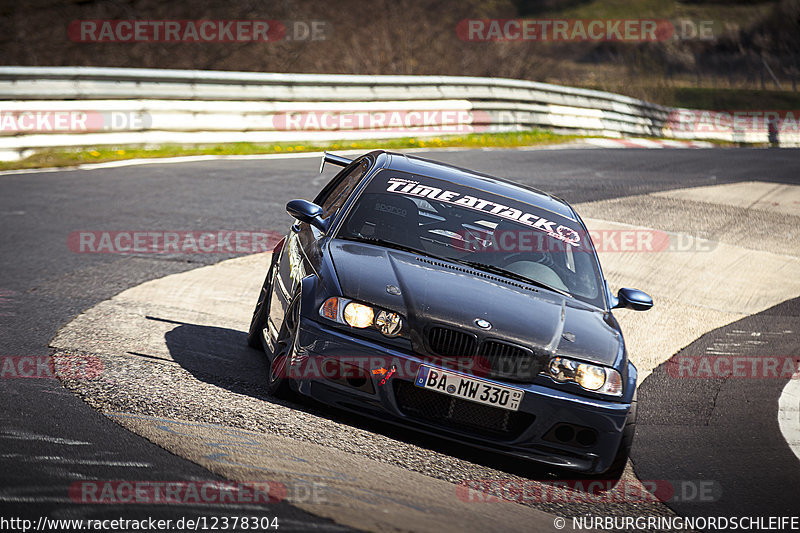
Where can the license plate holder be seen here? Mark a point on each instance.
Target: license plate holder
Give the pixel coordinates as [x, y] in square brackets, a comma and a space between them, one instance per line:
[468, 388]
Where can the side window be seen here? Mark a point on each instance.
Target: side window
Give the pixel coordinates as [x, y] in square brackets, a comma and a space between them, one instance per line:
[341, 192]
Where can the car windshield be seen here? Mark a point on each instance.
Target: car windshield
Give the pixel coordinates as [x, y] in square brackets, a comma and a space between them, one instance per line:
[470, 226]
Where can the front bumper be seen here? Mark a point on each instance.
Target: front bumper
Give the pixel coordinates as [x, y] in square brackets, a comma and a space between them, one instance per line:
[552, 426]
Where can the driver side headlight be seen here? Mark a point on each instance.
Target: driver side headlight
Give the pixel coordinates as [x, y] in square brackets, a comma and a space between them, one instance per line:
[590, 377]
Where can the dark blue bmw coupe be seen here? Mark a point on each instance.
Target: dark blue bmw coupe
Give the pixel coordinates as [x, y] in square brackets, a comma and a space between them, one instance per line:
[454, 303]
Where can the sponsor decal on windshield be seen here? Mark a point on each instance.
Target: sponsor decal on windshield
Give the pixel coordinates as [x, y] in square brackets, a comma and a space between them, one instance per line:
[415, 188]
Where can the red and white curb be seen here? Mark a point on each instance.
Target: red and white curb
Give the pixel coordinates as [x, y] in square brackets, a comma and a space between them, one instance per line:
[645, 143]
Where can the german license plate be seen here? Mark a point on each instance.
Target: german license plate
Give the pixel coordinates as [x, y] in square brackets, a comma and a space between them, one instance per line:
[468, 388]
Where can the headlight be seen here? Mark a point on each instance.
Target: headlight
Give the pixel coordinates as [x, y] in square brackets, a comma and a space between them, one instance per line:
[389, 323]
[358, 315]
[591, 377]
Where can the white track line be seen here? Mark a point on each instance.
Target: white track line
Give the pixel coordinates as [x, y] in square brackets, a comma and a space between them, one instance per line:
[196, 158]
[169, 160]
[590, 142]
[789, 414]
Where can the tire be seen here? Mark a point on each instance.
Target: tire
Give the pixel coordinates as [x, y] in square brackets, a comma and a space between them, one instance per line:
[617, 467]
[261, 312]
[278, 385]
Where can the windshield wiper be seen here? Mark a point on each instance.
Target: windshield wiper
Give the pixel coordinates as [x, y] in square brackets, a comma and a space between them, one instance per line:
[391, 244]
[474, 264]
[509, 274]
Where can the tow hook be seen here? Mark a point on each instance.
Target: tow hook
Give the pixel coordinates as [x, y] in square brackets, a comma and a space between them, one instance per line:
[387, 376]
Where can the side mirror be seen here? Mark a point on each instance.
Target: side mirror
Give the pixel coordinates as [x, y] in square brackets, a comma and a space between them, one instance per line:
[308, 212]
[634, 299]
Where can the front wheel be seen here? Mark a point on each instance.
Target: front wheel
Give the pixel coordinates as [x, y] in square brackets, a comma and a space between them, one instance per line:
[285, 346]
[261, 312]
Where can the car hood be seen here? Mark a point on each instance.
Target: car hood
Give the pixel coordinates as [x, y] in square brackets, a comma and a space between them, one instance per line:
[444, 293]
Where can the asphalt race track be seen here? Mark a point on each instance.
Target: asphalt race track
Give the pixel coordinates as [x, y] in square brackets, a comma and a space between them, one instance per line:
[695, 432]
[699, 428]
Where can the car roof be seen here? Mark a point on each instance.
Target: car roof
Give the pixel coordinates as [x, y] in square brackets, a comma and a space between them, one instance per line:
[470, 178]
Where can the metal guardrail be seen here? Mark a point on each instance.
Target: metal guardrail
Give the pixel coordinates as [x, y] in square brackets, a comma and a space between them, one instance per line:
[120, 107]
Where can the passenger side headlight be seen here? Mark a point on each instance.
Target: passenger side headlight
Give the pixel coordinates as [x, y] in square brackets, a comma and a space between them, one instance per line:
[389, 323]
[361, 316]
[358, 315]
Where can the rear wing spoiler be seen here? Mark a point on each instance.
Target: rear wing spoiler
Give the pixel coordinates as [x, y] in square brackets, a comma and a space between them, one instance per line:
[334, 160]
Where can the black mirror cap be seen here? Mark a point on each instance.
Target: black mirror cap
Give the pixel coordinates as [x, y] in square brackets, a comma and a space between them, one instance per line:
[634, 299]
[307, 212]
